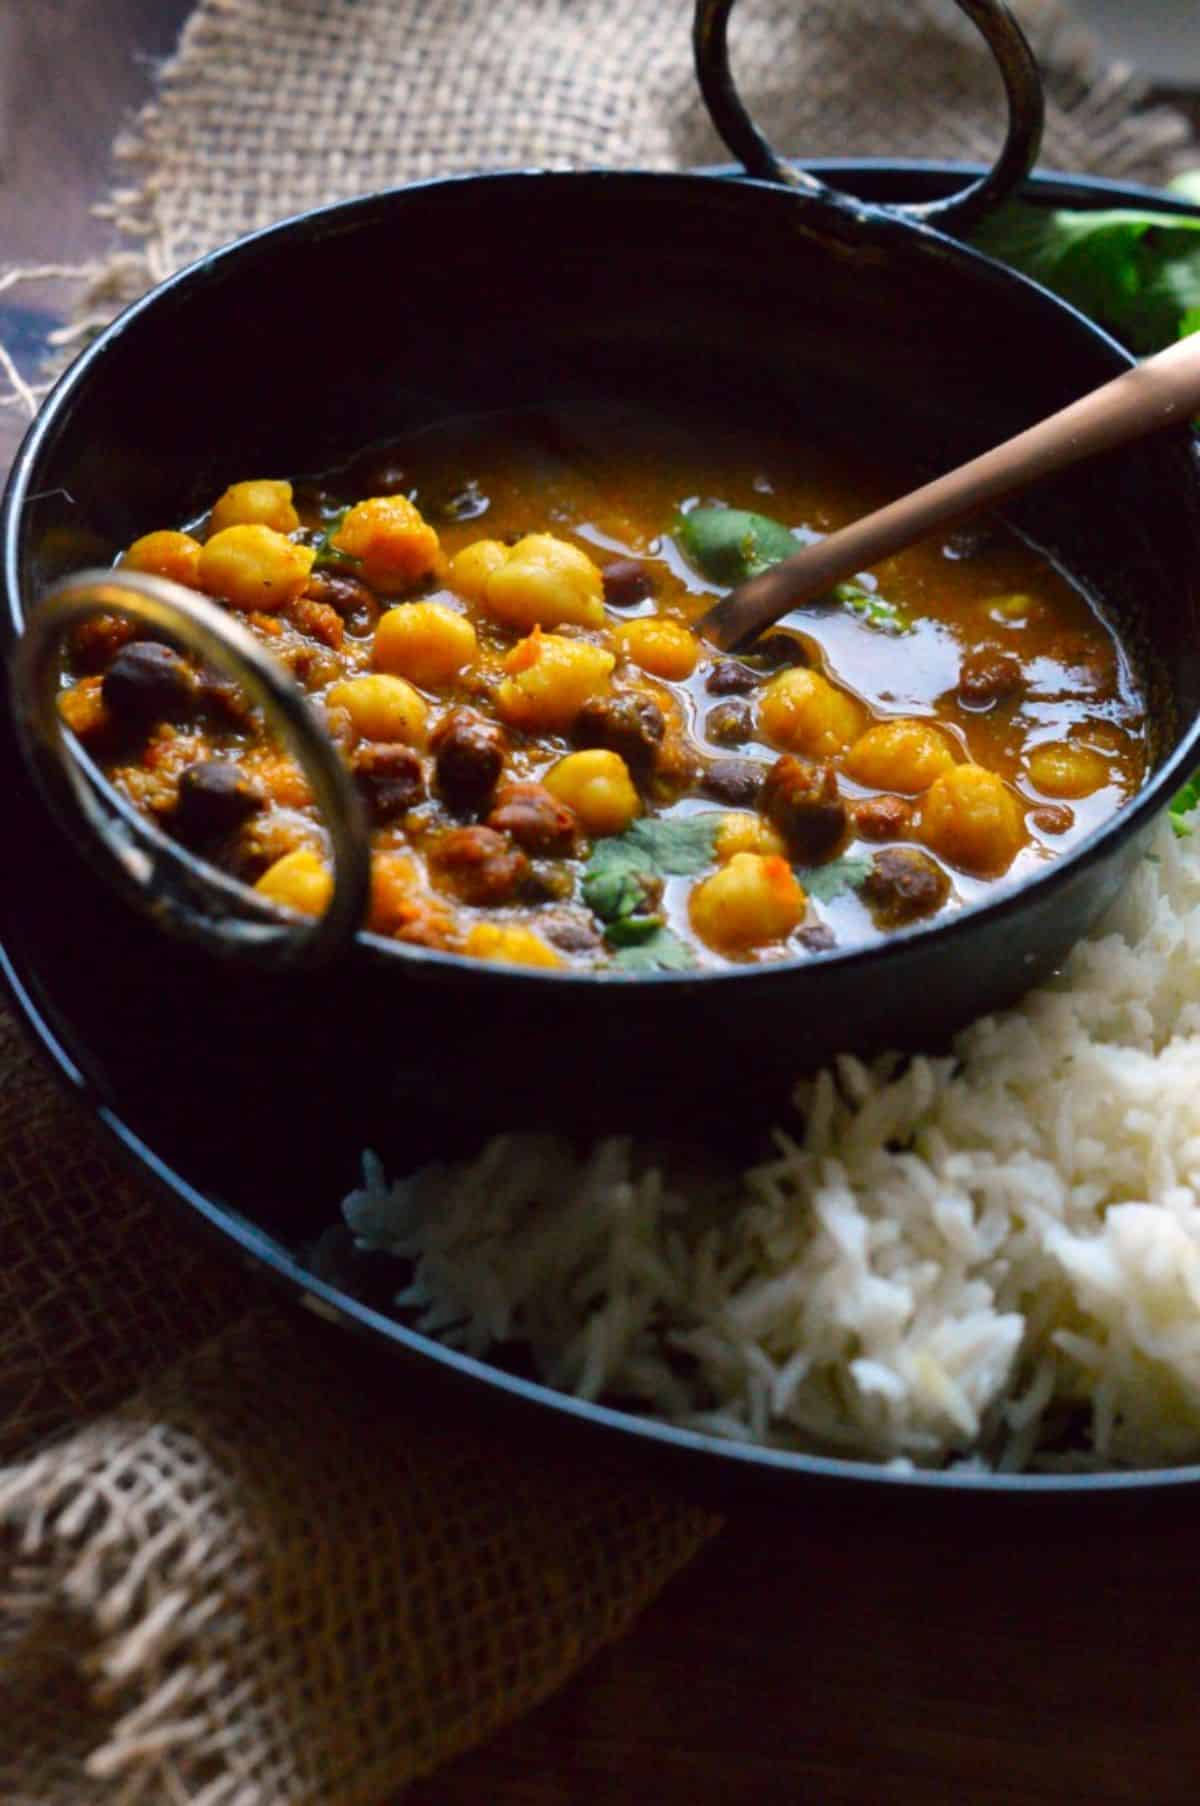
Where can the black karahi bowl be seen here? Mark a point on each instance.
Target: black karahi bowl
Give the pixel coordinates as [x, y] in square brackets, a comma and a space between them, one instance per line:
[245, 1093]
[251, 1069]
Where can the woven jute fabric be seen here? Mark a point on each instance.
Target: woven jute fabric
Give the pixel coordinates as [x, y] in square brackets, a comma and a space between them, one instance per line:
[238, 1563]
[272, 106]
[260, 1581]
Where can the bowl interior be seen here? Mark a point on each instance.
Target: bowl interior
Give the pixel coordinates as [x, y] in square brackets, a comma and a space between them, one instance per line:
[300, 346]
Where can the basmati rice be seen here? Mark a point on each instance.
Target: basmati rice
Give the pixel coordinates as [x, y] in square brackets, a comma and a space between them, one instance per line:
[993, 1254]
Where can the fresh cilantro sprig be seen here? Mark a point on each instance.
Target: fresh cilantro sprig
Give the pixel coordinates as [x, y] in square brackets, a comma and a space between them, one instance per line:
[825, 882]
[872, 609]
[623, 883]
[661, 952]
[1134, 271]
[330, 557]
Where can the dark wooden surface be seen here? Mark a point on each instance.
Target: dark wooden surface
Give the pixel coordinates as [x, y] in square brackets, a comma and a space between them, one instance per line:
[824, 1649]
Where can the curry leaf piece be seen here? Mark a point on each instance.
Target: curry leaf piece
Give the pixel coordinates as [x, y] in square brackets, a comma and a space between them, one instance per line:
[825, 882]
[1137, 273]
[728, 545]
[632, 930]
[871, 609]
[677, 847]
[662, 952]
[329, 556]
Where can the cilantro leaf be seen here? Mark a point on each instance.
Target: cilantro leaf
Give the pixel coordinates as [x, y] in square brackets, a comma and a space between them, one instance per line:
[825, 882]
[677, 847]
[1137, 273]
[623, 879]
[632, 930]
[871, 609]
[617, 880]
[662, 952]
[330, 557]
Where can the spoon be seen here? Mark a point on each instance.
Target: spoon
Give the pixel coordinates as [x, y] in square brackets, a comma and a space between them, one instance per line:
[1163, 390]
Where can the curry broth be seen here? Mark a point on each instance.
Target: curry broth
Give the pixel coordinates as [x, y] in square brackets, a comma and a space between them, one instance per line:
[998, 650]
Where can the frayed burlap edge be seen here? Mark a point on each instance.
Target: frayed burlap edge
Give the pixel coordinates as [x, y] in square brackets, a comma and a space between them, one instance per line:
[1102, 99]
[206, 1606]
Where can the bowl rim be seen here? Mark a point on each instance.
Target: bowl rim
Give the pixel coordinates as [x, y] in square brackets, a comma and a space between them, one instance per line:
[1005, 902]
[716, 1455]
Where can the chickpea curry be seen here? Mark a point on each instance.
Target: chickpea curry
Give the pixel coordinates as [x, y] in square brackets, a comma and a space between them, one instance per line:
[496, 619]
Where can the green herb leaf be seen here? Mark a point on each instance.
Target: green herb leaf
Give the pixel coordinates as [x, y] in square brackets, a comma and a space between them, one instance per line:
[1183, 802]
[612, 893]
[329, 556]
[825, 882]
[662, 952]
[727, 545]
[871, 609]
[632, 930]
[1137, 273]
[677, 847]
[619, 880]
[622, 881]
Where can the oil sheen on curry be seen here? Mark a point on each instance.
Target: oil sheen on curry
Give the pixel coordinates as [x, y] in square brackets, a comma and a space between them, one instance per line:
[496, 620]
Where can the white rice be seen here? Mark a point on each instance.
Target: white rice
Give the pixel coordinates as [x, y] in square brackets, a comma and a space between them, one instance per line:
[1021, 1283]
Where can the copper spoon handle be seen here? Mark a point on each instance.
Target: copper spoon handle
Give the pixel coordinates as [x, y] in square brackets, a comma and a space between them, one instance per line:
[1163, 390]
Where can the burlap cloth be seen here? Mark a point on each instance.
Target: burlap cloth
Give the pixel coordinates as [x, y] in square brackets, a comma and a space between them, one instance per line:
[274, 1575]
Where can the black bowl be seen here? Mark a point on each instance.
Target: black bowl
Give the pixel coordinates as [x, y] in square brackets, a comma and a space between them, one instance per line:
[290, 349]
[245, 1096]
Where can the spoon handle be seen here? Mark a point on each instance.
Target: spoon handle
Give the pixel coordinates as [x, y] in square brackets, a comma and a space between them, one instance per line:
[1163, 390]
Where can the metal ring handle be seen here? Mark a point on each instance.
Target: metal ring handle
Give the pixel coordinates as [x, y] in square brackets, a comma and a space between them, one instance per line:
[1022, 141]
[166, 881]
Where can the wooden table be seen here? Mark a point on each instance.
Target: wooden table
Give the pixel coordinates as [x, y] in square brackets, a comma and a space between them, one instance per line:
[827, 1648]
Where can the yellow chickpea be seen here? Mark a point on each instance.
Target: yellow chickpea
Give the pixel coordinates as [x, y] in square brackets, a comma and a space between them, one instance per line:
[803, 712]
[424, 641]
[549, 680]
[381, 707]
[741, 832]
[254, 567]
[660, 646]
[900, 755]
[544, 582]
[263, 502]
[301, 880]
[1063, 770]
[596, 784]
[173, 555]
[510, 944]
[470, 569]
[749, 903]
[972, 820]
[394, 544]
